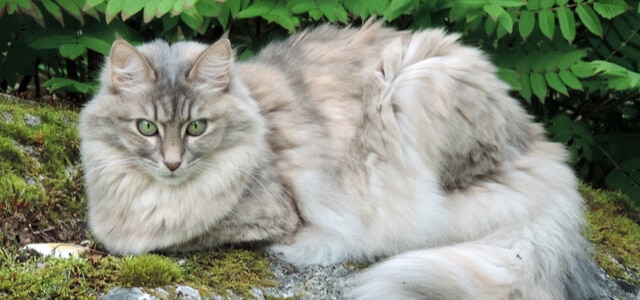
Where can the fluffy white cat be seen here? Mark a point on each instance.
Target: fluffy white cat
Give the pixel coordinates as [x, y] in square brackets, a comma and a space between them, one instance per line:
[336, 145]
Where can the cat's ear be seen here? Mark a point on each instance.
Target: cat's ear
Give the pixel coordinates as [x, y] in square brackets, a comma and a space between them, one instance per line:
[213, 66]
[128, 67]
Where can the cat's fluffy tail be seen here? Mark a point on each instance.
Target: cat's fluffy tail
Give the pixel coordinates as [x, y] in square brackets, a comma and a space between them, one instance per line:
[477, 271]
[515, 234]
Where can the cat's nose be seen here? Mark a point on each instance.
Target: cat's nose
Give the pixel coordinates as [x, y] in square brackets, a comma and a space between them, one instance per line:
[172, 165]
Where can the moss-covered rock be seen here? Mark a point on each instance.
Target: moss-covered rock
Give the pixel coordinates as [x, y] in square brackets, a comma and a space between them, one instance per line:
[614, 232]
[41, 200]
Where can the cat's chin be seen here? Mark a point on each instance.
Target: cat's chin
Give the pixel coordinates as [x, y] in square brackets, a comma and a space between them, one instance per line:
[171, 178]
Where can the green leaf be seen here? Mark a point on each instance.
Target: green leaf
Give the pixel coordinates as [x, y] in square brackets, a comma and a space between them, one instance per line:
[587, 154]
[511, 77]
[567, 23]
[510, 3]
[583, 70]
[632, 165]
[397, 8]
[188, 4]
[301, 6]
[208, 8]
[568, 59]
[617, 179]
[282, 17]
[582, 131]
[618, 77]
[113, 8]
[539, 86]
[72, 51]
[422, 18]
[164, 7]
[72, 8]
[150, 9]
[457, 12]
[553, 80]
[570, 79]
[533, 5]
[54, 10]
[561, 129]
[245, 55]
[589, 19]
[494, 10]
[234, 7]
[333, 10]
[547, 23]
[506, 22]
[131, 8]
[193, 22]
[546, 4]
[92, 3]
[525, 83]
[28, 8]
[526, 23]
[93, 12]
[52, 41]
[178, 8]
[94, 43]
[256, 9]
[274, 12]
[610, 9]
[58, 83]
[316, 14]
[24, 4]
[490, 26]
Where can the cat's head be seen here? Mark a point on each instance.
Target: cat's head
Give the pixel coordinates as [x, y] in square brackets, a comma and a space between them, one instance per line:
[169, 111]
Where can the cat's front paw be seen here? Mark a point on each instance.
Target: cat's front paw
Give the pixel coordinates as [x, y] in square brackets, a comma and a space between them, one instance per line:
[310, 248]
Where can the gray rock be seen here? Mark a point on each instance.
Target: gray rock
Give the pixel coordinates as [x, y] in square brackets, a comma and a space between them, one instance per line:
[71, 171]
[29, 150]
[127, 294]
[7, 117]
[68, 121]
[184, 292]
[32, 120]
[313, 282]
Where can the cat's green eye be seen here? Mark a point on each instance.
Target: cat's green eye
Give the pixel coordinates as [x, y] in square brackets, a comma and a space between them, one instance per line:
[147, 128]
[196, 127]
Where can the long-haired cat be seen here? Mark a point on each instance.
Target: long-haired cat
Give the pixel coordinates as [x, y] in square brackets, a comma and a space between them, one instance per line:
[337, 145]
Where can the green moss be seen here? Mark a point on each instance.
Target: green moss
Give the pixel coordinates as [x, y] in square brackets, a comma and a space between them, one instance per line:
[149, 270]
[17, 195]
[35, 186]
[51, 278]
[233, 269]
[615, 236]
[212, 272]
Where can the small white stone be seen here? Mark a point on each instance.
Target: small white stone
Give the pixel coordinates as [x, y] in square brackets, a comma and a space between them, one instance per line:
[62, 250]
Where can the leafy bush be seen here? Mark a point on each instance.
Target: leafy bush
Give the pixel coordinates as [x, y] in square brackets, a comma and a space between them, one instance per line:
[573, 63]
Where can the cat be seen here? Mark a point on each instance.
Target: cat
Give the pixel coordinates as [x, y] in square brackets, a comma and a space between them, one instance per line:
[334, 145]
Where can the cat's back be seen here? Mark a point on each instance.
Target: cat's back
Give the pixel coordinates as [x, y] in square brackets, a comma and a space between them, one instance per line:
[329, 49]
[311, 84]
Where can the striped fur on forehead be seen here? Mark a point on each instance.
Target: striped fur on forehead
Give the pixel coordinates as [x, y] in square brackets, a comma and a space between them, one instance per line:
[172, 97]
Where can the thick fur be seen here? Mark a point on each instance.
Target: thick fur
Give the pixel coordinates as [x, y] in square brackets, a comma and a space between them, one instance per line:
[337, 145]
